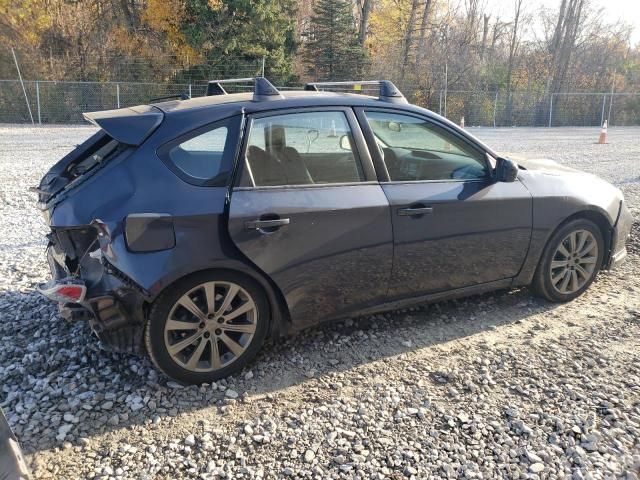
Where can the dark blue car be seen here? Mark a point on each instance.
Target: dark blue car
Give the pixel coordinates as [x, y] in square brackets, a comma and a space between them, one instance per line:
[194, 229]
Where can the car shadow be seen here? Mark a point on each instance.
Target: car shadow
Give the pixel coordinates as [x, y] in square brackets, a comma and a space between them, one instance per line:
[56, 378]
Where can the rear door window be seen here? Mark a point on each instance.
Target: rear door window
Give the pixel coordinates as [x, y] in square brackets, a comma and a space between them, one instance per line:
[310, 148]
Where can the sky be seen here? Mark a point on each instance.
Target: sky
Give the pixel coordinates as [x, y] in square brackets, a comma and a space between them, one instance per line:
[613, 10]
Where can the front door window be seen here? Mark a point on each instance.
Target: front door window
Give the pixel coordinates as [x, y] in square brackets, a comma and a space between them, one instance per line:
[415, 149]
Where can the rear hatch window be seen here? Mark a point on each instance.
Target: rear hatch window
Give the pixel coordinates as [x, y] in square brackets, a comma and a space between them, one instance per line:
[120, 130]
[80, 162]
[75, 170]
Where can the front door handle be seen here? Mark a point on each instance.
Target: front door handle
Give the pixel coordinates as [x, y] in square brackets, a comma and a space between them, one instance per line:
[415, 211]
[266, 224]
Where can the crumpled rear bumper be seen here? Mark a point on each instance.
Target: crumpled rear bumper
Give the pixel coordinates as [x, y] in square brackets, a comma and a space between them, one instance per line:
[113, 304]
[621, 233]
[12, 463]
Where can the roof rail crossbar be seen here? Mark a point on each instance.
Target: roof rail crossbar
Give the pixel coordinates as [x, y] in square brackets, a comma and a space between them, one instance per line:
[262, 88]
[388, 91]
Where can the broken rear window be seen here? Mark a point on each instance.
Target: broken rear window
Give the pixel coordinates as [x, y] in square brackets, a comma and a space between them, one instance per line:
[109, 146]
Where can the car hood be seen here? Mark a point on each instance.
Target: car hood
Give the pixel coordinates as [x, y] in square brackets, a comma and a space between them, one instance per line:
[545, 165]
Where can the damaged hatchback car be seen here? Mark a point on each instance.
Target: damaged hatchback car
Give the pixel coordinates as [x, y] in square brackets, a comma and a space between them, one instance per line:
[195, 229]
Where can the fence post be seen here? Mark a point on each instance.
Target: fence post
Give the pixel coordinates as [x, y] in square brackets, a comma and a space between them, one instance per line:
[189, 90]
[445, 102]
[24, 90]
[604, 101]
[550, 109]
[440, 104]
[118, 94]
[495, 107]
[38, 101]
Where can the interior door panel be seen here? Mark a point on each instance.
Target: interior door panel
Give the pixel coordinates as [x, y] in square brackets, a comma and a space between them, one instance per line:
[330, 168]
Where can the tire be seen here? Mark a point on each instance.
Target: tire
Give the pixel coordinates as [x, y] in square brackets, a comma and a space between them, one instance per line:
[232, 330]
[574, 272]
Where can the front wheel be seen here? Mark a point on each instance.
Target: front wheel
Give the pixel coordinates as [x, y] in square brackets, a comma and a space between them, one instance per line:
[570, 261]
[207, 327]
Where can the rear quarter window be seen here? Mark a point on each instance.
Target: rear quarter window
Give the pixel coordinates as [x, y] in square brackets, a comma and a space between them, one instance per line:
[204, 157]
[201, 156]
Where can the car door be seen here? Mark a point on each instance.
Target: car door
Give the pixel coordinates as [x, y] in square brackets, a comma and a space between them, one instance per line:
[454, 225]
[308, 211]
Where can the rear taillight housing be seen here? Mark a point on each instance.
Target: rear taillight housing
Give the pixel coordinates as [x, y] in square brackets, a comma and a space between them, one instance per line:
[63, 292]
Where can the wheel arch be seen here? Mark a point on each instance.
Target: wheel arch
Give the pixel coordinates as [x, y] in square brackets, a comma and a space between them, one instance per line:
[596, 216]
[541, 239]
[541, 282]
[279, 318]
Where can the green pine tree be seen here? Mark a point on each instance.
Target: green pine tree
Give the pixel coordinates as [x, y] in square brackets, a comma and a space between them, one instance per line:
[234, 36]
[331, 48]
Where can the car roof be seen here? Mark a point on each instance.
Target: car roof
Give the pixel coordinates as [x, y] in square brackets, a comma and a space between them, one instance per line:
[222, 106]
[288, 99]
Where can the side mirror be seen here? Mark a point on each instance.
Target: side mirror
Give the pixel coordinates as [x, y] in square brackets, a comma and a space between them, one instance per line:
[506, 170]
[345, 143]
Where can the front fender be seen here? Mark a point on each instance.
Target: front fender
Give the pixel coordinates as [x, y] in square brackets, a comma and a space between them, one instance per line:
[558, 196]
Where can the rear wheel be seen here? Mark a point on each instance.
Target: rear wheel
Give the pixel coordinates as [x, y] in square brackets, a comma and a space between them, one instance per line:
[207, 327]
[570, 261]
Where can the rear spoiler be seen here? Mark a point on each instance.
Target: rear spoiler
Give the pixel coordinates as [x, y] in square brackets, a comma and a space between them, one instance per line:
[130, 126]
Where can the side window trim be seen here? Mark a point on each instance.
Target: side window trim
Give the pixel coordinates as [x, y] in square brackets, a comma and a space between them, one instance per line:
[378, 161]
[234, 127]
[362, 155]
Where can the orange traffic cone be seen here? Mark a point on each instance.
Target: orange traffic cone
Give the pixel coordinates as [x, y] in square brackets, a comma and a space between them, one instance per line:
[603, 134]
[462, 122]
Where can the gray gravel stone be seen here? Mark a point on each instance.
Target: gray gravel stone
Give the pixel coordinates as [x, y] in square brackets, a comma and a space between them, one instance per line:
[501, 385]
[231, 393]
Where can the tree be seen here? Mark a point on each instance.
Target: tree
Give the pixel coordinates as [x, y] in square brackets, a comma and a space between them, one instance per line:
[424, 24]
[513, 47]
[563, 43]
[234, 35]
[408, 37]
[332, 50]
[364, 9]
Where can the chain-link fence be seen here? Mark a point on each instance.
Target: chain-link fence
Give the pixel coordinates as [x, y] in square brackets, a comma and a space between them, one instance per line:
[64, 102]
[499, 109]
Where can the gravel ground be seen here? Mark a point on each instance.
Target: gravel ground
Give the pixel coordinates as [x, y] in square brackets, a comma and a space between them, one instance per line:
[495, 386]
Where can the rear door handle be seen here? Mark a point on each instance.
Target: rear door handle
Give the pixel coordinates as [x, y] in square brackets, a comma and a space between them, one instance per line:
[264, 224]
[415, 210]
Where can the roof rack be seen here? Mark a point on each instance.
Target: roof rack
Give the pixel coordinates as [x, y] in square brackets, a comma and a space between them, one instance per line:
[262, 88]
[388, 91]
[181, 96]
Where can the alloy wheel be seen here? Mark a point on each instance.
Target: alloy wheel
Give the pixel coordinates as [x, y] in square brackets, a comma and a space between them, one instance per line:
[574, 262]
[210, 326]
